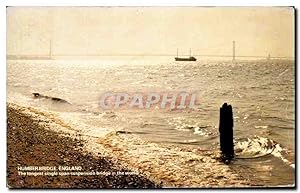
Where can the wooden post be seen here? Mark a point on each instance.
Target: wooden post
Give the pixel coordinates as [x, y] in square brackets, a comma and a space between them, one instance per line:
[226, 133]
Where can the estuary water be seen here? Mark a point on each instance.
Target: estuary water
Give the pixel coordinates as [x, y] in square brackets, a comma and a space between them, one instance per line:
[261, 92]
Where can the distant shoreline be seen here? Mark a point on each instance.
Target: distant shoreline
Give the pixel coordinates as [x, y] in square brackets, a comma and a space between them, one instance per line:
[158, 58]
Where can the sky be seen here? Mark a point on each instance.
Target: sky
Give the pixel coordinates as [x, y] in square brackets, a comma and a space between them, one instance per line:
[150, 30]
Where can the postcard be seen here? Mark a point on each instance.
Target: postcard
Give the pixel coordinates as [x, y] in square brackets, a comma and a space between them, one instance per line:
[150, 97]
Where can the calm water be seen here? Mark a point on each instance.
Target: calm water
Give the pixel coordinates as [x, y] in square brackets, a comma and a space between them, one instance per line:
[261, 93]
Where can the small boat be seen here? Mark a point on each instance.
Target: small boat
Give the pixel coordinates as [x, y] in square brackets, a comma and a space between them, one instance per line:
[191, 58]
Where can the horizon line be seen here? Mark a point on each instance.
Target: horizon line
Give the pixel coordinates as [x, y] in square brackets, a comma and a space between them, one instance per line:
[171, 55]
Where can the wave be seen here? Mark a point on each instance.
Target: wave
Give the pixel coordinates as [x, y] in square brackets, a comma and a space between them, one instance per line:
[249, 148]
[245, 148]
[202, 130]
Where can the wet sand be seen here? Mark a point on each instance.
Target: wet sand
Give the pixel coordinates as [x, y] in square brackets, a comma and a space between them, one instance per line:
[31, 141]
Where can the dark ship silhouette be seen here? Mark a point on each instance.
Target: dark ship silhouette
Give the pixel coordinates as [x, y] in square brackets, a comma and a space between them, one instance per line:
[190, 58]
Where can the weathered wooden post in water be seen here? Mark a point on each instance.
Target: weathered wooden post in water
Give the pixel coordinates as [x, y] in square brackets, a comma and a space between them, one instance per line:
[226, 133]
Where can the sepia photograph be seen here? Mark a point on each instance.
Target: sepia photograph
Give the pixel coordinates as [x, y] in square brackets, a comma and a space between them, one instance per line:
[108, 97]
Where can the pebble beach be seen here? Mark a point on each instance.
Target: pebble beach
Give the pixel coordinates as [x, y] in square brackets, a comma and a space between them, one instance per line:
[29, 143]
[113, 159]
